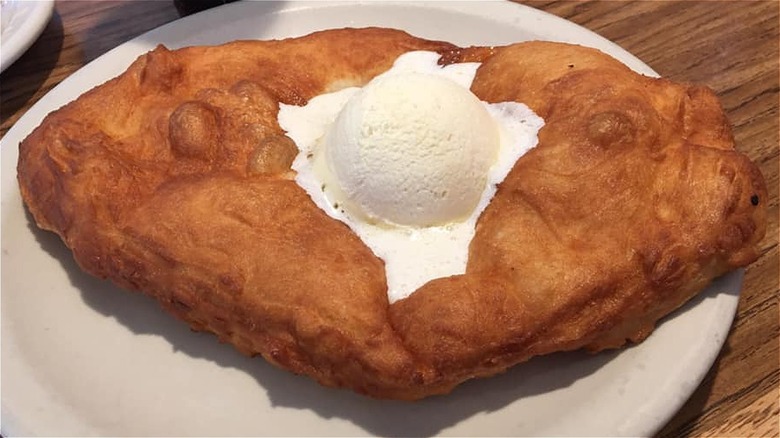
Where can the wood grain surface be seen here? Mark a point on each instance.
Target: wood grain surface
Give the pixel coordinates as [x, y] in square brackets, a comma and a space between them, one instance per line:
[730, 46]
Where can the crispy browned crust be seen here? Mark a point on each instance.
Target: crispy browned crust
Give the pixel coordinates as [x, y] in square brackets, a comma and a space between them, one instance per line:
[173, 179]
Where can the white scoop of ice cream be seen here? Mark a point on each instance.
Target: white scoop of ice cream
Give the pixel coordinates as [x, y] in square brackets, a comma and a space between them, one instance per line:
[412, 149]
[406, 140]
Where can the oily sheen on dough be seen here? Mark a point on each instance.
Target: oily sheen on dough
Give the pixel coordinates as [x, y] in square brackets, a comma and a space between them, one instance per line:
[174, 179]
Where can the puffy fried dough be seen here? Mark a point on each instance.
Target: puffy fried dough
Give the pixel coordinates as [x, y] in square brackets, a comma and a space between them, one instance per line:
[174, 179]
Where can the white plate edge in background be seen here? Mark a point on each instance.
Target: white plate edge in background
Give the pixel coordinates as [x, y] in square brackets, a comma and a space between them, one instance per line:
[14, 42]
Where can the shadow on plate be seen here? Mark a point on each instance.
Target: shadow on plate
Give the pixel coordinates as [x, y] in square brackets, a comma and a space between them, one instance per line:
[143, 316]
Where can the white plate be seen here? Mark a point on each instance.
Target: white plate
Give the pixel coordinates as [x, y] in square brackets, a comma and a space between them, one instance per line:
[22, 23]
[81, 357]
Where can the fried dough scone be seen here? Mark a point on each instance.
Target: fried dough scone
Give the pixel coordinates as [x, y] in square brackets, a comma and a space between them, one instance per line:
[174, 179]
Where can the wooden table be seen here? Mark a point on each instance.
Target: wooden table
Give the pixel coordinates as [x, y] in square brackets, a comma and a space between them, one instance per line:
[730, 46]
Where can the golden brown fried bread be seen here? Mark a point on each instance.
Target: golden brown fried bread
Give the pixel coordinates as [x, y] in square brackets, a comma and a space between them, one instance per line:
[174, 179]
